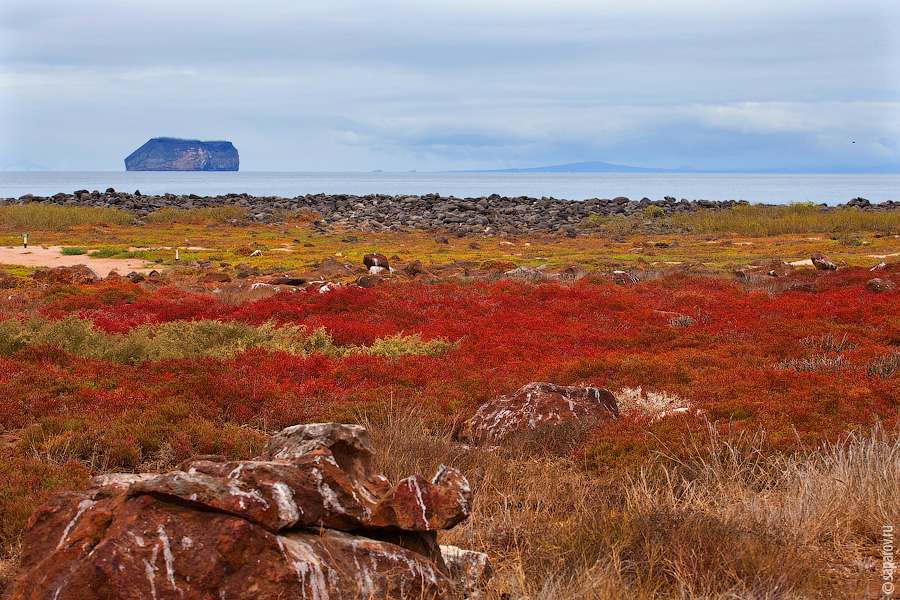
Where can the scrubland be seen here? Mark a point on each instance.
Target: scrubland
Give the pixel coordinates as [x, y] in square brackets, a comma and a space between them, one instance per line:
[775, 483]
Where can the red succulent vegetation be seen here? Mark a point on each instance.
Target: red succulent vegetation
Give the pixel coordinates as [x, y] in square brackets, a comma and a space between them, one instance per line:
[746, 358]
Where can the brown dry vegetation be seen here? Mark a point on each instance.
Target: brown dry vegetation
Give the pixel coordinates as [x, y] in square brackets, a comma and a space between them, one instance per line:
[729, 522]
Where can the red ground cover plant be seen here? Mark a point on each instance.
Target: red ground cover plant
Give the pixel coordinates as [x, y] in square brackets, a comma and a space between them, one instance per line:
[746, 359]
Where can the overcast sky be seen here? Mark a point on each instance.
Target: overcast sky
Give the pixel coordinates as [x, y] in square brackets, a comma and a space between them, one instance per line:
[357, 85]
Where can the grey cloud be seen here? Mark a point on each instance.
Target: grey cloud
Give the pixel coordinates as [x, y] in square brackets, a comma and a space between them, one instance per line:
[401, 84]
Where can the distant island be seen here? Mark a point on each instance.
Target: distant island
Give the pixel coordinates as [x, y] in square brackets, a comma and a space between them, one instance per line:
[603, 167]
[175, 154]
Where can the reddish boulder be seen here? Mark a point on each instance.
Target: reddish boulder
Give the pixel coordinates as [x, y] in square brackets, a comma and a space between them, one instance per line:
[822, 262]
[263, 528]
[878, 285]
[422, 506]
[573, 271]
[415, 268]
[7, 281]
[368, 281]
[536, 405]
[623, 278]
[779, 268]
[142, 547]
[320, 475]
[215, 277]
[330, 268]
[75, 275]
[376, 260]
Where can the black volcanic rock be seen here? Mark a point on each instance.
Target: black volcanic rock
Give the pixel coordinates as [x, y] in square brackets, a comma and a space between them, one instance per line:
[174, 154]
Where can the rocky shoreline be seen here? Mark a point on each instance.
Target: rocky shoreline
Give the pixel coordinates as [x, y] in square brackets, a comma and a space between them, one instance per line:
[490, 215]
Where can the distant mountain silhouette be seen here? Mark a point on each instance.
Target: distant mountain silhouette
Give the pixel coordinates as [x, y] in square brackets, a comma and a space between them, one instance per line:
[589, 167]
[603, 167]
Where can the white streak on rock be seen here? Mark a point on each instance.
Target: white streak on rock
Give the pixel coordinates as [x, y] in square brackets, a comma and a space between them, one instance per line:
[150, 570]
[288, 511]
[82, 506]
[420, 500]
[308, 567]
[329, 498]
[169, 559]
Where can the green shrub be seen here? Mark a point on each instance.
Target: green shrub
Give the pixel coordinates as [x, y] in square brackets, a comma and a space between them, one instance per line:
[106, 252]
[69, 251]
[185, 339]
[399, 345]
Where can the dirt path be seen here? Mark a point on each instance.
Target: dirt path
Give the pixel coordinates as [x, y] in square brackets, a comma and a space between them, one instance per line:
[36, 256]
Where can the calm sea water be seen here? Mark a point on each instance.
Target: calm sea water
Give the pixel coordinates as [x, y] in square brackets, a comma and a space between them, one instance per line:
[766, 188]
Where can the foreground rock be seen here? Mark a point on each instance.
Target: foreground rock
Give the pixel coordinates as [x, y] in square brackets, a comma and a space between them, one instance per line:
[174, 154]
[309, 518]
[534, 406]
[75, 275]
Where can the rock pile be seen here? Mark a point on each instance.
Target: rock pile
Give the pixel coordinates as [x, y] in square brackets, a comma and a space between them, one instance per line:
[309, 518]
[379, 212]
[75, 275]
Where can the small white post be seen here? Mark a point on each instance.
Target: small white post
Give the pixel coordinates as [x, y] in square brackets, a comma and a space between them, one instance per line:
[25, 236]
[176, 253]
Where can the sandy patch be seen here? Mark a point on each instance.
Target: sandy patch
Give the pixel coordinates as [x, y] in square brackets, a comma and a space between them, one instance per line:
[883, 255]
[35, 256]
[802, 263]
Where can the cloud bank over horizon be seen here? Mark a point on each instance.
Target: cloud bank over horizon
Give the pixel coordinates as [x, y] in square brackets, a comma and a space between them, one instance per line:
[401, 85]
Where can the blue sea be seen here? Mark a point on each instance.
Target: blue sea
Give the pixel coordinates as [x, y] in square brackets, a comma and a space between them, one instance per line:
[829, 189]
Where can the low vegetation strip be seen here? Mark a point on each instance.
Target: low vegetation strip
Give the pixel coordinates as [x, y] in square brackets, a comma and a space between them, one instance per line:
[222, 213]
[188, 339]
[767, 220]
[49, 217]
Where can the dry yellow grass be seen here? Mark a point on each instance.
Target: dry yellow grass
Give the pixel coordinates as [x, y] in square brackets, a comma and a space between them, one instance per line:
[49, 217]
[732, 522]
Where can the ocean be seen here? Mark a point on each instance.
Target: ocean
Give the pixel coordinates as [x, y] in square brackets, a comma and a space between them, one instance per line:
[829, 189]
